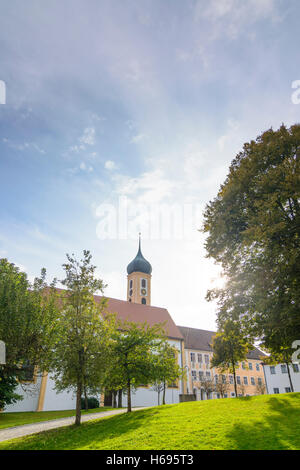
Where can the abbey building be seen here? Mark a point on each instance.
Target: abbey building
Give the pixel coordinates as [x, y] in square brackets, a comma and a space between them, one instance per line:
[194, 354]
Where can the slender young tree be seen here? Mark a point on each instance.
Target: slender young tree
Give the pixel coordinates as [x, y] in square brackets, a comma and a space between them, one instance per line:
[166, 368]
[81, 353]
[229, 348]
[135, 351]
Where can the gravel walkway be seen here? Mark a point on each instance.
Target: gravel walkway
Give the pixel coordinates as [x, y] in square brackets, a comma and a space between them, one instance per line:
[24, 430]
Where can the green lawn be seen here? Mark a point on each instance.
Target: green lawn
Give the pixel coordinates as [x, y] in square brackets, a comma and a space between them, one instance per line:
[8, 420]
[263, 422]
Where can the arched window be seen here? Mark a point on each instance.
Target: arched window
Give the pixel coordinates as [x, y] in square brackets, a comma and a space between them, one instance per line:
[143, 300]
[130, 292]
[130, 283]
[144, 283]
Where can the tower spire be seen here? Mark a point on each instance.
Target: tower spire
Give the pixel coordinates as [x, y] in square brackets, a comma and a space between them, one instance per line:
[139, 278]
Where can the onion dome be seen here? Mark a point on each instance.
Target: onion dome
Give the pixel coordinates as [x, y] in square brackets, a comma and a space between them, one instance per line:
[139, 264]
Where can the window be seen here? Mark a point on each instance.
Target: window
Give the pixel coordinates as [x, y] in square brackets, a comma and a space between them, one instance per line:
[295, 368]
[272, 370]
[232, 394]
[194, 374]
[245, 380]
[144, 283]
[283, 369]
[252, 381]
[257, 367]
[276, 390]
[193, 357]
[250, 366]
[131, 283]
[206, 358]
[200, 374]
[130, 292]
[225, 395]
[223, 379]
[218, 395]
[259, 381]
[216, 378]
[27, 373]
[238, 380]
[231, 379]
[243, 365]
[207, 374]
[287, 390]
[143, 301]
[199, 357]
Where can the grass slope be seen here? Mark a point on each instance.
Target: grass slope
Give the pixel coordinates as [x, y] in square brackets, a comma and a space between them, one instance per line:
[8, 420]
[263, 422]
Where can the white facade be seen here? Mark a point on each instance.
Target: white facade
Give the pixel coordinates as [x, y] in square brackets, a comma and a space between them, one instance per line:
[143, 396]
[30, 393]
[277, 378]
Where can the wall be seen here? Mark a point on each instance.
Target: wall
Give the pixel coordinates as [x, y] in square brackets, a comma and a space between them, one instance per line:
[248, 389]
[280, 380]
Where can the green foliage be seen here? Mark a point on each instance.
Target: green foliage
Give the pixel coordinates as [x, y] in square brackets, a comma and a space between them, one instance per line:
[229, 348]
[165, 367]
[253, 228]
[8, 384]
[93, 402]
[134, 357]
[82, 349]
[265, 422]
[28, 313]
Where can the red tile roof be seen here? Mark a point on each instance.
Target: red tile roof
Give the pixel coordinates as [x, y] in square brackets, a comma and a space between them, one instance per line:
[130, 311]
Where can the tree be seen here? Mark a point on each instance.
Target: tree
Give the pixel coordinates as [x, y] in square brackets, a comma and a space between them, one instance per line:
[28, 313]
[222, 386]
[81, 353]
[253, 228]
[229, 348]
[207, 384]
[8, 384]
[158, 387]
[166, 368]
[260, 388]
[135, 355]
[241, 389]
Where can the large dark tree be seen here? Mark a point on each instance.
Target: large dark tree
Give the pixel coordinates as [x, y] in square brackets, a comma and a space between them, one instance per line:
[253, 228]
[27, 317]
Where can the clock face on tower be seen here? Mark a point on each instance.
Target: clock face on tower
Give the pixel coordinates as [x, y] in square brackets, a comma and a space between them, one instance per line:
[143, 291]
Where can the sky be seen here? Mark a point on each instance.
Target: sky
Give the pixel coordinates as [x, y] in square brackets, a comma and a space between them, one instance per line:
[124, 116]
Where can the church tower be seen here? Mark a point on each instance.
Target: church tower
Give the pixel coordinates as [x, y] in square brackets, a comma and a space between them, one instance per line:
[139, 279]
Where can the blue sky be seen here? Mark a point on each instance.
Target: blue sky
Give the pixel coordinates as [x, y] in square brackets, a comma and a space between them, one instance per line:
[145, 100]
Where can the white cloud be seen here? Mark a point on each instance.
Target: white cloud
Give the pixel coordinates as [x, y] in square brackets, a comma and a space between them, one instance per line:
[110, 165]
[88, 136]
[137, 138]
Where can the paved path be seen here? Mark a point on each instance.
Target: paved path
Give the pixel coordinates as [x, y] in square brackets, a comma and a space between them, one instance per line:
[24, 430]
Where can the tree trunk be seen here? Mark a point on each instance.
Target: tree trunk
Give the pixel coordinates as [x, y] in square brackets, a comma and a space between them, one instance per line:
[234, 379]
[114, 394]
[128, 396]
[290, 378]
[86, 399]
[164, 394]
[120, 399]
[78, 403]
